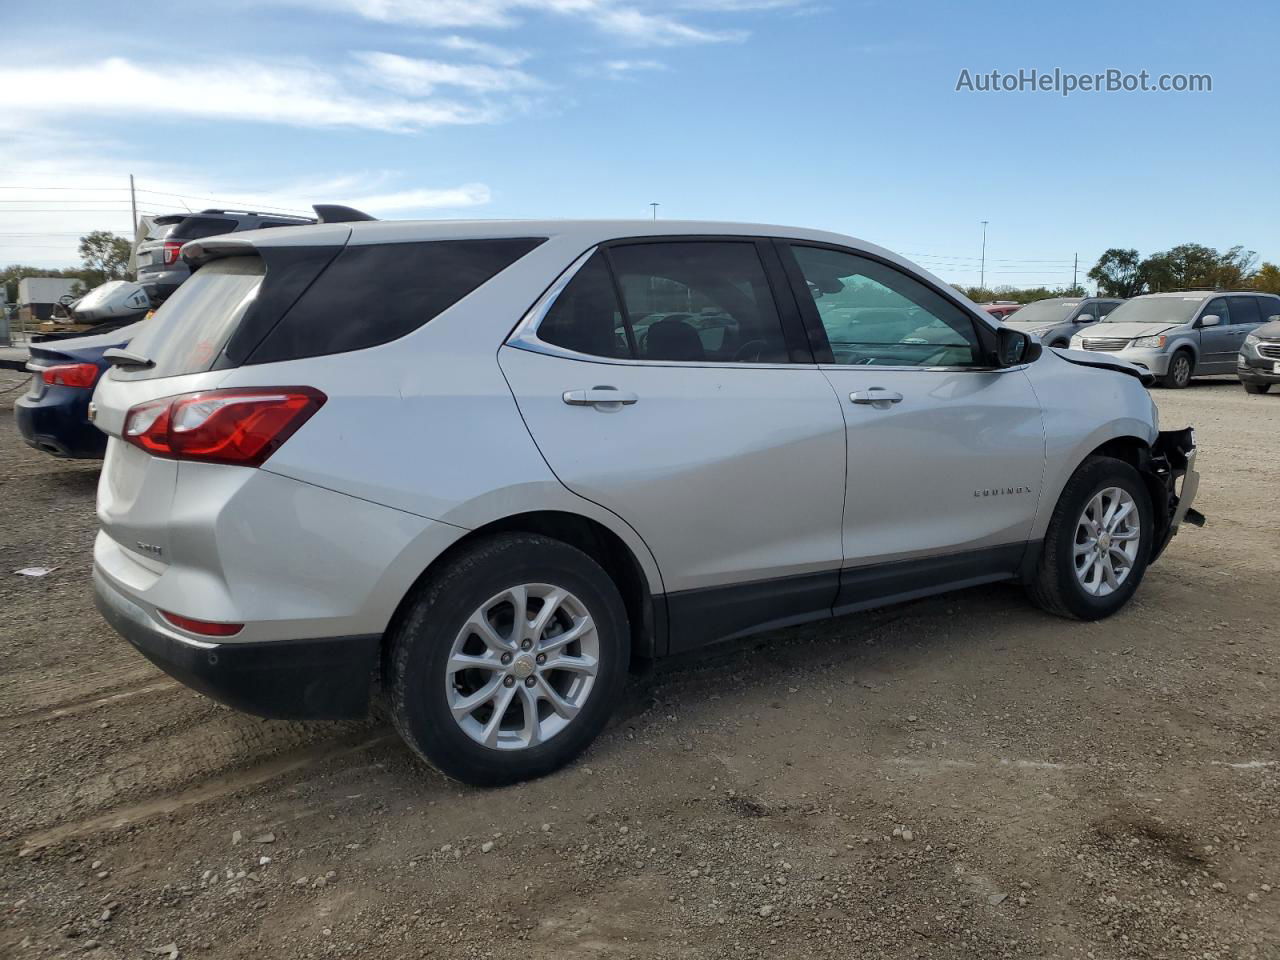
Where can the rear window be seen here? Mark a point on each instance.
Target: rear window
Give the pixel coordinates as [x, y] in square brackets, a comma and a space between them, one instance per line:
[189, 330]
[158, 231]
[377, 293]
[198, 227]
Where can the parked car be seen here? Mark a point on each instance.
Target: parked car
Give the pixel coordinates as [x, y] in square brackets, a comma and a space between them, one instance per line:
[1057, 319]
[160, 266]
[449, 469]
[53, 415]
[1002, 308]
[1258, 363]
[1182, 335]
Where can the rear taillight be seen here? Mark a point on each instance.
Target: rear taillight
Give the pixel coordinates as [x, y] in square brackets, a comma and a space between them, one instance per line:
[172, 251]
[206, 628]
[241, 426]
[71, 375]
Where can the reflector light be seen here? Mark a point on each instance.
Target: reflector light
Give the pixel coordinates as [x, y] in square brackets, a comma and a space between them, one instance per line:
[206, 628]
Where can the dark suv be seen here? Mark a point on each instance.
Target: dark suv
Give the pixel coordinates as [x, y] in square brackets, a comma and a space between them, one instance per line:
[160, 267]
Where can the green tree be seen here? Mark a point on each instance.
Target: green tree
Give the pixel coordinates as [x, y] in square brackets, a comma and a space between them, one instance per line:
[1117, 273]
[1267, 278]
[1193, 265]
[105, 256]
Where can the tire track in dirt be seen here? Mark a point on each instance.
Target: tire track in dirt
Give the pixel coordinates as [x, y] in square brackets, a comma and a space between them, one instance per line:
[211, 789]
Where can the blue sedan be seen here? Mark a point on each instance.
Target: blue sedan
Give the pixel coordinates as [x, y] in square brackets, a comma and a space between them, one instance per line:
[53, 415]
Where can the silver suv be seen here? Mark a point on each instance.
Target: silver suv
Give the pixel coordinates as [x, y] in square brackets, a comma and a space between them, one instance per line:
[1056, 320]
[1177, 336]
[479, 468]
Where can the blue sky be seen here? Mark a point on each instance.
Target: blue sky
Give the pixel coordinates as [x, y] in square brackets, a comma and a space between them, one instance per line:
[836, 115]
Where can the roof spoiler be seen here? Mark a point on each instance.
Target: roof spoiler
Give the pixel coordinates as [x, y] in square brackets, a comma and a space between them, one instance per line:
[336, 213]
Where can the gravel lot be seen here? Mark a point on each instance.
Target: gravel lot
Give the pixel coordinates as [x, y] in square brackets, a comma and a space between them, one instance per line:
[957, 777]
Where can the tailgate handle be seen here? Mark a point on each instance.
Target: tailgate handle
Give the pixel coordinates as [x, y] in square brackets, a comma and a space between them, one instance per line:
[611, 398]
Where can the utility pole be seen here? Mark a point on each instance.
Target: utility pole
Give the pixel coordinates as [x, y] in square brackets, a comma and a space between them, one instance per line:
[133, 202]
[655, 210]
[1075, 267]
[982, 271]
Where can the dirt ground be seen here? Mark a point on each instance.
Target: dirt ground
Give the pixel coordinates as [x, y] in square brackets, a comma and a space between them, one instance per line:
[957, 777]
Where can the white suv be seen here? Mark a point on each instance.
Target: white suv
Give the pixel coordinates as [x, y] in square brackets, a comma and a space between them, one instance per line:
[477, 468]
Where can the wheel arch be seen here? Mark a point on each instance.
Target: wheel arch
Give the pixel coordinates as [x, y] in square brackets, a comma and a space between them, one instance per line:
[604, 545]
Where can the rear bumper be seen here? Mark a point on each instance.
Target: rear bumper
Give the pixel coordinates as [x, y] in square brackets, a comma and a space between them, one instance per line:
[326, 678]
[58, 423]
[160, 282]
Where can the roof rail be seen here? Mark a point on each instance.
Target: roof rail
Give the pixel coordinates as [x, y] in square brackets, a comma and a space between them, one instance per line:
[257, 213]
[336, 213]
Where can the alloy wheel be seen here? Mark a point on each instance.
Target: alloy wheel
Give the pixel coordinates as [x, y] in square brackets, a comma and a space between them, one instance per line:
[522, 666]
[1108, 535]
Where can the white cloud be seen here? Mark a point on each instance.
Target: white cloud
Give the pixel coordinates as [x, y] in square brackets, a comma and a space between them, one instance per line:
[645, 24]
[40, 226]
[503, 56]
[632, 66]
[297, 94]
[420, 77]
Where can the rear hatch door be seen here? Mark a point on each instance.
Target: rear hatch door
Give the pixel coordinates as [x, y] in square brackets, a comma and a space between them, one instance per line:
[180, 345]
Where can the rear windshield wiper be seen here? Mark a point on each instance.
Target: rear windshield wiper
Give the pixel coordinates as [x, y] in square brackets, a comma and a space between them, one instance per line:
[123, 358]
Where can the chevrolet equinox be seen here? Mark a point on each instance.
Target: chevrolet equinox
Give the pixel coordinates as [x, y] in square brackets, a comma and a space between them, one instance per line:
[477, 469]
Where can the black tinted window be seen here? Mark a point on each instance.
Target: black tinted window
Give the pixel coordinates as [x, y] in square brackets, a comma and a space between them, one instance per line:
[376, 293]
[196, 228]
[1269, 308]
[699, 301]
[876, 315]
[1245, 310]
[585, 317]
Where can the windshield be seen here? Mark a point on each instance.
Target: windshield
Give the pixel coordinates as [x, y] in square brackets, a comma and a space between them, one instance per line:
[1171, 310]
[1045, 311]
[190, 329]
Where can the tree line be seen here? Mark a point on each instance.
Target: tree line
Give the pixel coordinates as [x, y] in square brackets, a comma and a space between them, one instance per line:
[1122, 272]
[103, 256]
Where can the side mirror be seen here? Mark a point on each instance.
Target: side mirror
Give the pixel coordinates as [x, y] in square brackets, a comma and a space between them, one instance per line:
[1210, 321]
[1085, 318]
[1014, 347]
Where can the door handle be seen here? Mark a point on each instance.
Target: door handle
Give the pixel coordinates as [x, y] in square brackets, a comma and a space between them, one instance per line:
[875, 395]
[608, 397]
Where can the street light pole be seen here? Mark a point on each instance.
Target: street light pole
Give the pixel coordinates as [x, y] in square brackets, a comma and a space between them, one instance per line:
[655, 210]
[982, 270]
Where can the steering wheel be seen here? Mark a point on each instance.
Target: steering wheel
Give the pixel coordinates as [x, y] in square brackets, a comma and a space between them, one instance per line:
[750, 351]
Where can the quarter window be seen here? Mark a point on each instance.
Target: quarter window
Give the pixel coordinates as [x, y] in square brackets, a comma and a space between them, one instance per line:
[875, 315]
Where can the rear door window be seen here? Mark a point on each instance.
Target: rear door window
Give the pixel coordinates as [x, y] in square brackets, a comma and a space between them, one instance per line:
[189, 330]
[1245, 310]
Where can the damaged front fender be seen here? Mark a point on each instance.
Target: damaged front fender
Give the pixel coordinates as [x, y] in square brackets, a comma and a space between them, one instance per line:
[1172, 458]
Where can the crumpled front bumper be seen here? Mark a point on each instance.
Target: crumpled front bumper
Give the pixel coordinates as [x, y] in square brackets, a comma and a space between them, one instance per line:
[1172, 459]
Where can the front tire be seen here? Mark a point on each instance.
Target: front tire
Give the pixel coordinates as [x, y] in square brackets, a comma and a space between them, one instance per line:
[509, 660]
[1181, 366]
[1098, 543]
[1257, 387]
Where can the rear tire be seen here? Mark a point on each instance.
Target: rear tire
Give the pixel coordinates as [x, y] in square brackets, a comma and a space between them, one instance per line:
[1068, 582]
[1181, 368]
[1257, 387]
[542, 708]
